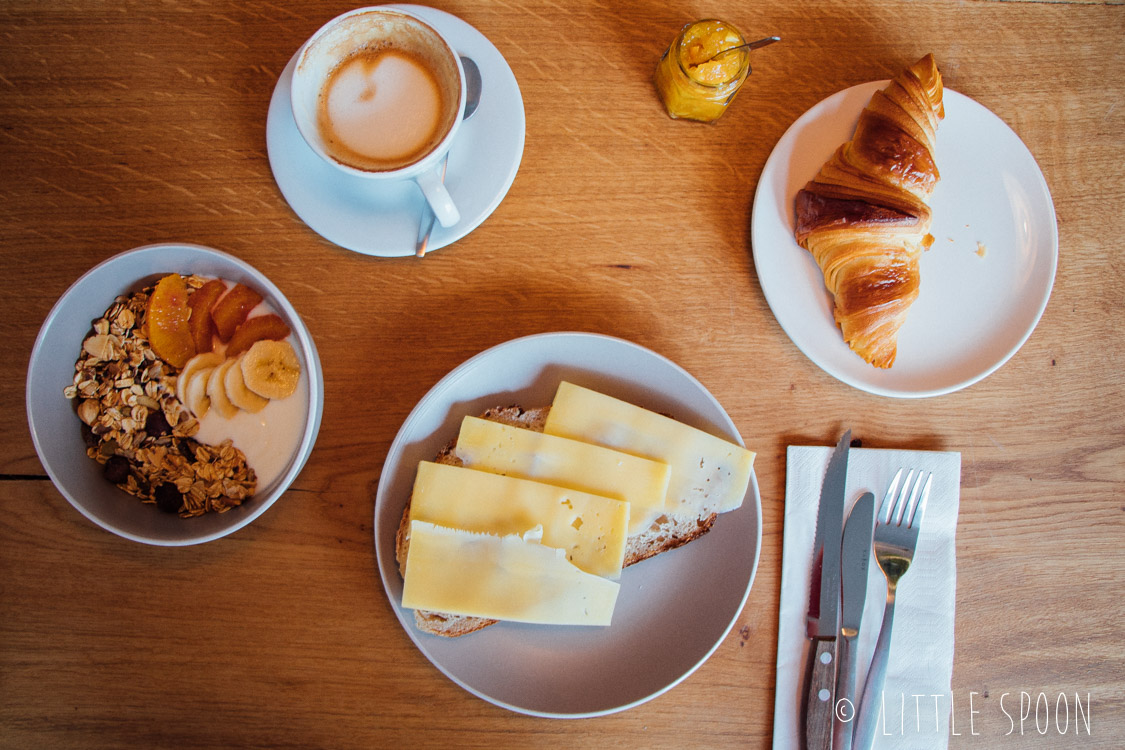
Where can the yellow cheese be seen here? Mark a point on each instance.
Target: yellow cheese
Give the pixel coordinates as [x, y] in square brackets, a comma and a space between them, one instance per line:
[501, 577]
[590, 529]
[516, 452]
[709, 474]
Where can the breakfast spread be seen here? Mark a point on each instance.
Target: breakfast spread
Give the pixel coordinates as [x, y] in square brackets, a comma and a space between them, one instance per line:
[192, 397]
[553, 502]
[163, 381]
[865, 216]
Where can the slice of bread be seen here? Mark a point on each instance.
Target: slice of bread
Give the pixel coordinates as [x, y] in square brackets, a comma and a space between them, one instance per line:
[666, 533]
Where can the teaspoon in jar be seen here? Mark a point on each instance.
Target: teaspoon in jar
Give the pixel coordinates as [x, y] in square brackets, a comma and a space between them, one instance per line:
[748, 46]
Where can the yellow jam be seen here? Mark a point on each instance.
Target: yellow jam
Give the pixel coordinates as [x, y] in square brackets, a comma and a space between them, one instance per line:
[692, 85]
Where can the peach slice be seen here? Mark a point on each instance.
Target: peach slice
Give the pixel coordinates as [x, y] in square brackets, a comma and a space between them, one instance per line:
[201, 301]
[229, 312]
[166, 318]
[256, 329]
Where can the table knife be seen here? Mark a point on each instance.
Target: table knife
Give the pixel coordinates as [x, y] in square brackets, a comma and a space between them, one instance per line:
[824, 601]
[854, 559]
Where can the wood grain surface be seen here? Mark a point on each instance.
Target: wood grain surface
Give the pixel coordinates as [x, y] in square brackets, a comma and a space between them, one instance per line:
[128, 123]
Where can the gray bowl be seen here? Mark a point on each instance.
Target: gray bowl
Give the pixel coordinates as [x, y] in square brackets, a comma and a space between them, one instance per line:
[55, 427]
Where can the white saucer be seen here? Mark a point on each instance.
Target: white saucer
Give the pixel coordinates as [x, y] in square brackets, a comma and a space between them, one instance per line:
[380, 219]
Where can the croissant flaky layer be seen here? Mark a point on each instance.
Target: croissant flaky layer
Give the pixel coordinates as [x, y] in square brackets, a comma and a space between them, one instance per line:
[865, 216]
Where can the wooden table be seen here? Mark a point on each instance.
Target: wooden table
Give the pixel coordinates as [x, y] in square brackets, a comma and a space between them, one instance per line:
[123, 124]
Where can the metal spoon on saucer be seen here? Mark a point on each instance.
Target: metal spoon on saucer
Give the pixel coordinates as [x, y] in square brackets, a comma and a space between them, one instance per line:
[472, 99]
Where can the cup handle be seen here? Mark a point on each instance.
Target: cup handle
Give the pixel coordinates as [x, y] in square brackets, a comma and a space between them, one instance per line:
[438, 197]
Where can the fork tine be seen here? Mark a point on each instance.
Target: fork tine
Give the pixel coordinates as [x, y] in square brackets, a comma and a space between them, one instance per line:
[901, 501]
[888, 504]
[919, 509]
[909, 497]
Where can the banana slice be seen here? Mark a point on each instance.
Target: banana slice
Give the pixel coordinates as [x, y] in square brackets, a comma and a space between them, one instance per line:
[271, 369]
[238, 393]
[194, 365]
[217, 392]
[195, 392]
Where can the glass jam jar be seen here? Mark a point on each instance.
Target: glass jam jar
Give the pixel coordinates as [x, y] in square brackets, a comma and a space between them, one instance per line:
[691, 84]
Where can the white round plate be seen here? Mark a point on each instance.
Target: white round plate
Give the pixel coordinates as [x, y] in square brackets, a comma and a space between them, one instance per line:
[381, 218]
[973, 312]
[673, 610]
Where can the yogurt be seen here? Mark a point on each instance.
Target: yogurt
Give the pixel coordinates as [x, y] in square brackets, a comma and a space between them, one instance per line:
[269, 439]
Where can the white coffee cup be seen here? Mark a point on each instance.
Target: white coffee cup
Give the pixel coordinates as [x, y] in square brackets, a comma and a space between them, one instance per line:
[380, 94]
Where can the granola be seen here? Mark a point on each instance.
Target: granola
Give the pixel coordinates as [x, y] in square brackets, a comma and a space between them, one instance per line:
[136, 427]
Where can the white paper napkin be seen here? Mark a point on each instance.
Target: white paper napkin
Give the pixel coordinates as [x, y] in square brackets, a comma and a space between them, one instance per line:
[921, 658]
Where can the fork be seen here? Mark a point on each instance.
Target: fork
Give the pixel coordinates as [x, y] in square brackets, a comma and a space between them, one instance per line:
[895, 539]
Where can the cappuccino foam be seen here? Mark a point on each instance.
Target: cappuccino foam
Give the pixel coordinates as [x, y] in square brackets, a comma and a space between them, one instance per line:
[380, 109]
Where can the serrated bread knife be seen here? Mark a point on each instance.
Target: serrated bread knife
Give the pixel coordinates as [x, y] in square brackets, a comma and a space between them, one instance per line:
[854, 560]
[824, 601]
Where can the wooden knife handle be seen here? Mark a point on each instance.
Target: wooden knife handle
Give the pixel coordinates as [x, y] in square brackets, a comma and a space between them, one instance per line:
[845, 700]
[820, 696]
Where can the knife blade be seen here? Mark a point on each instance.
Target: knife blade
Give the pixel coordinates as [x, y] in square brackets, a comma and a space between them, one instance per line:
[824, 601]
[855, 558]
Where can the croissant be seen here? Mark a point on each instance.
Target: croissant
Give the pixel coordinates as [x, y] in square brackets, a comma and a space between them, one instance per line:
[864, 217]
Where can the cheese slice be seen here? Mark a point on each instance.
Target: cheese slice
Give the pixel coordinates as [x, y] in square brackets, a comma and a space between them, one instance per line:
[709, 474]
[517, 452]
[501, 577]
[590, 529]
